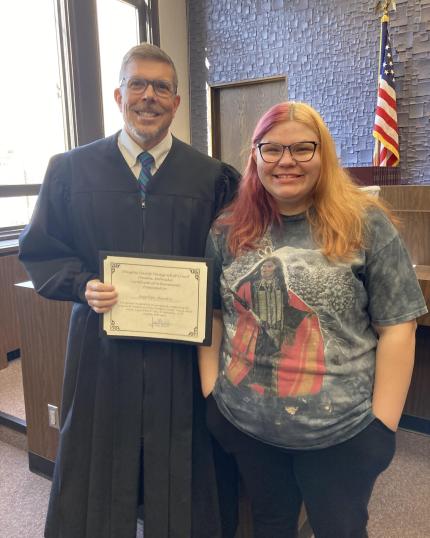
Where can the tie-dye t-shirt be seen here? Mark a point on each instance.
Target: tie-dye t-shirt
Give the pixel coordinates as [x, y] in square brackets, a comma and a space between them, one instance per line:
[297, 359]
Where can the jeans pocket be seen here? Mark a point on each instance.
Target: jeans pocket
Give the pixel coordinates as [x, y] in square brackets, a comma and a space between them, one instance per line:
[378, 422]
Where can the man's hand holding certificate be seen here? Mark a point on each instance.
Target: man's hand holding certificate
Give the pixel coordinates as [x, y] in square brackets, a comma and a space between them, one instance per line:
[158, 298]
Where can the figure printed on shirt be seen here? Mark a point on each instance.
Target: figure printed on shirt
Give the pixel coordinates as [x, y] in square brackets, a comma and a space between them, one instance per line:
[278, 347]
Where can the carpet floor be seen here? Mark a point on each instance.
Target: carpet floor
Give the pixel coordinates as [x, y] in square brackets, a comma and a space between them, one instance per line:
[11, 391]
[399, 507]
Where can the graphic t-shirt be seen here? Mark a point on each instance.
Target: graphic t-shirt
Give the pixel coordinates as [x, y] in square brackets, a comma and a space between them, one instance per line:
[298, 353]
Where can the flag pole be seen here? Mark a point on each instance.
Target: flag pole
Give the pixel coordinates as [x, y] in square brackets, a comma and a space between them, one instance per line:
[384, 18]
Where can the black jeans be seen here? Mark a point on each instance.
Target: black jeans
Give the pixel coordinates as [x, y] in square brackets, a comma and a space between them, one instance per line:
[335, 483]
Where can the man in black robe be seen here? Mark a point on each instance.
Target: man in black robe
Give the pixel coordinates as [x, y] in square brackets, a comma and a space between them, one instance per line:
[120, 395]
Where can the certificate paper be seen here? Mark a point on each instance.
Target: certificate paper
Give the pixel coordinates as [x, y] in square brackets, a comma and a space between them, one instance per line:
[160, 298]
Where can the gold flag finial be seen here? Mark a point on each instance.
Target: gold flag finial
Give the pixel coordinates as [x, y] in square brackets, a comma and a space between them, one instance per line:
[384, 6]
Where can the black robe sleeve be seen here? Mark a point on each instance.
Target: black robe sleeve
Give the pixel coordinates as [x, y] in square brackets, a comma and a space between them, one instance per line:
[47, 245]
[226, 187]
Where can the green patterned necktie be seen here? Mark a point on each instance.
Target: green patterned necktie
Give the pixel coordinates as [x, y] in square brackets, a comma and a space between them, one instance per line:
[146, 160]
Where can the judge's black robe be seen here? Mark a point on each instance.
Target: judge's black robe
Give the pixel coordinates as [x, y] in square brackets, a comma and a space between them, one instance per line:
[89, 201]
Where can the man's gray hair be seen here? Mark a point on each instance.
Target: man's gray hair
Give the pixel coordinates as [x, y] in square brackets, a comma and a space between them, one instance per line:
[147, 51]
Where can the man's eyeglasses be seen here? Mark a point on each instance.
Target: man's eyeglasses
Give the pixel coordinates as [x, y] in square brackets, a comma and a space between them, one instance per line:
[301, 152]
[138, 86]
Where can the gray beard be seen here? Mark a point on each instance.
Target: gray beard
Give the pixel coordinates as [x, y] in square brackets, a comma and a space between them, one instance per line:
[145, 138]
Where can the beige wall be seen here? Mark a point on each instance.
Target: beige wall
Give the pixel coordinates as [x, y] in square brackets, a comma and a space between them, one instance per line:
[174, 40]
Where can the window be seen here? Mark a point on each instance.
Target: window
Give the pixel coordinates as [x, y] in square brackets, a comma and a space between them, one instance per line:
[31, 104]
[121, 19]
[56, 85]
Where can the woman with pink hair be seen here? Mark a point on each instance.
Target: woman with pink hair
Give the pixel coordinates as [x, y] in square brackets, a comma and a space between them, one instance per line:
[313, 334]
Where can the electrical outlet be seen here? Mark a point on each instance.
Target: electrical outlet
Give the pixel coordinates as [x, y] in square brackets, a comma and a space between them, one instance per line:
[53, 419]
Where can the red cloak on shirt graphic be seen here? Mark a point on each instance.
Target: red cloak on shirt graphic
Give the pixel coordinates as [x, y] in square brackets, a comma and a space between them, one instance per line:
[278, 346]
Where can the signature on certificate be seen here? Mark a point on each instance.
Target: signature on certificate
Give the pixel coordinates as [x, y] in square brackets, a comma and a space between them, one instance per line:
[160, 322]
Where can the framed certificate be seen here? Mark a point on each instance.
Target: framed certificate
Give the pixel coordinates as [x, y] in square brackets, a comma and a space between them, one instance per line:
[159, 297]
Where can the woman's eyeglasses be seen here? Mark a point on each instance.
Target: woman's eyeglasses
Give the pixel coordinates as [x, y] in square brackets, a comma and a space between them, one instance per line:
[301, 152]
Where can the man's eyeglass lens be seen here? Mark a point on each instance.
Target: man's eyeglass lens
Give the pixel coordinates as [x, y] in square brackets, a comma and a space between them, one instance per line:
[300, 152]
[162, 88]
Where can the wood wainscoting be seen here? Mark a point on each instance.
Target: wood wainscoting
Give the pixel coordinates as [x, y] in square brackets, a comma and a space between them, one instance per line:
[11, 270]
[411, 203]
[44, 327]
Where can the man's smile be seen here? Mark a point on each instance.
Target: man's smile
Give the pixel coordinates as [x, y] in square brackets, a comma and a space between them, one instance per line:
[146, 114]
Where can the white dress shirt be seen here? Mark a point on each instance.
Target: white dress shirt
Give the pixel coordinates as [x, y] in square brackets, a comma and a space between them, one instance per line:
[130, 151]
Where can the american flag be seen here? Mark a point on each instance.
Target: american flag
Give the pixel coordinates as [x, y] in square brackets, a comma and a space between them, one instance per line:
[385, 129]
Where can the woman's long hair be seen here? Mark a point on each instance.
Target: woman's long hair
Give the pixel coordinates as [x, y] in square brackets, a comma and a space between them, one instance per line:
[338, 205]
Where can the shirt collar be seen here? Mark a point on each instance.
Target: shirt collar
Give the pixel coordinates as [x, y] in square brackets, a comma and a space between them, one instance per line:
[131, 150]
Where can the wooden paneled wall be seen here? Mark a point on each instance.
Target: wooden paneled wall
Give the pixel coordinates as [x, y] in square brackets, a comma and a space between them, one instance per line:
[423, 274]
[411, 203]
[418, 400]
[10, 271]
[44, 326]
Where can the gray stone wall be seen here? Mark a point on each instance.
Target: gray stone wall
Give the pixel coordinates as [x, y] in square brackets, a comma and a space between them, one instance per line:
[329, 51]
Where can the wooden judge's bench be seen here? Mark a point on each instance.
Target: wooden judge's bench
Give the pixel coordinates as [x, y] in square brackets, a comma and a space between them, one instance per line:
[43, 334]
